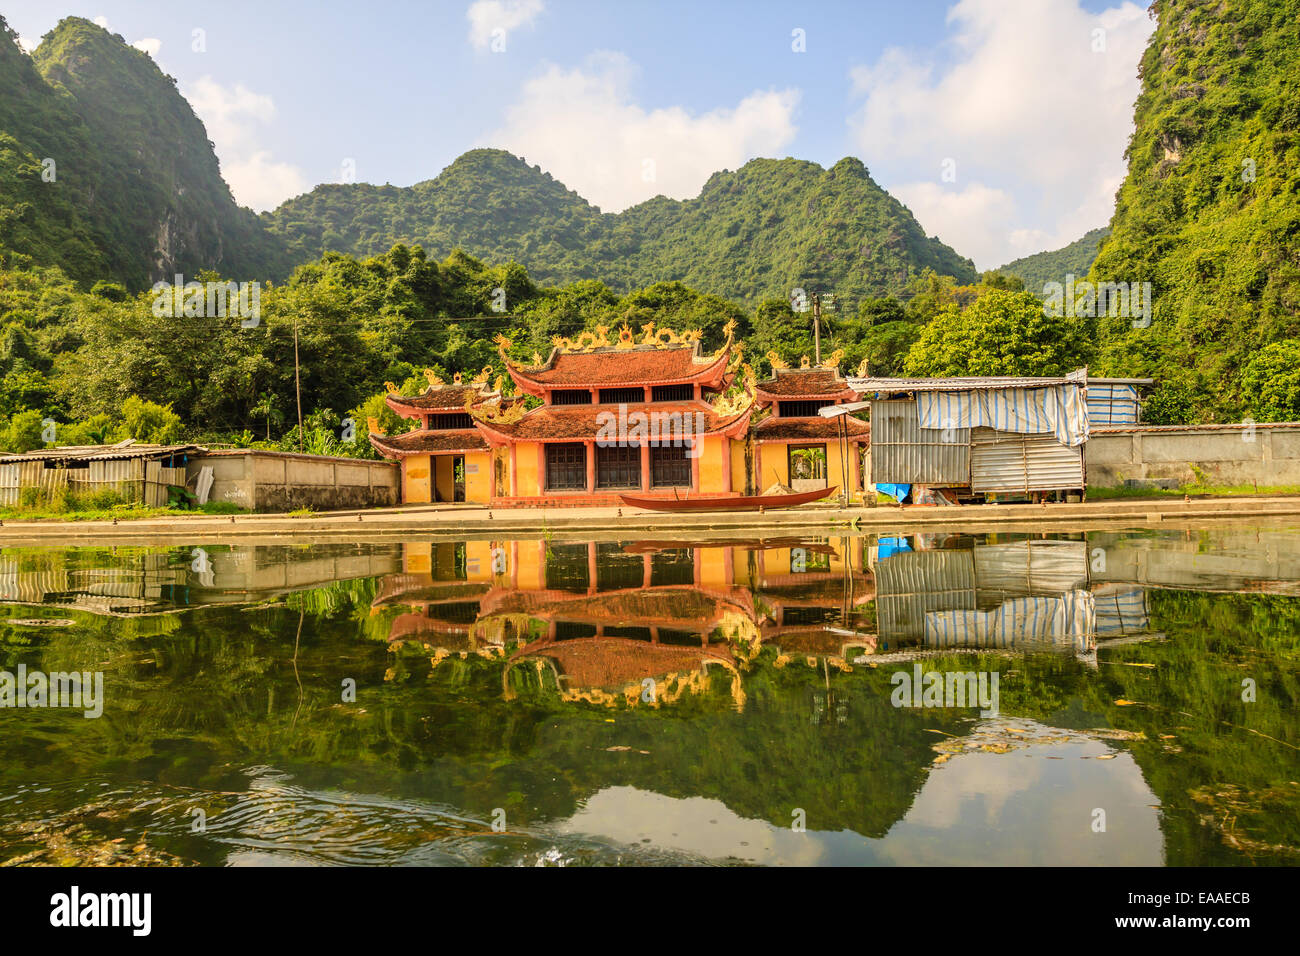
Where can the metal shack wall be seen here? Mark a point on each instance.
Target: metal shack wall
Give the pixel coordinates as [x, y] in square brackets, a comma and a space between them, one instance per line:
[1009, 462]
[904, 453]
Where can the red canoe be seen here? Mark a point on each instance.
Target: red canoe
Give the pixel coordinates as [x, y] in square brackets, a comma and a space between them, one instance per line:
[733, 503]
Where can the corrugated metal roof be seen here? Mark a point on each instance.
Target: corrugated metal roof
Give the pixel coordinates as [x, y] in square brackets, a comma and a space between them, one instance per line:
[973, 383]
[103, 452]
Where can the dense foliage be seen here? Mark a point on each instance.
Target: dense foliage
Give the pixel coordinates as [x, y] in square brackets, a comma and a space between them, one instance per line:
[1209, 213]
[134, 192]
[1076, 259]
[760, 232]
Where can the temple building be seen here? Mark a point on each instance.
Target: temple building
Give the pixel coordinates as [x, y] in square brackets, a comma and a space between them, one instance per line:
[646, 416]
[796, 446]
[648, 413]
[445, 458]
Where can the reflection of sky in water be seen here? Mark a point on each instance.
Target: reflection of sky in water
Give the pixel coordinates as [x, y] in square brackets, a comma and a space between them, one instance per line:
[977, 809]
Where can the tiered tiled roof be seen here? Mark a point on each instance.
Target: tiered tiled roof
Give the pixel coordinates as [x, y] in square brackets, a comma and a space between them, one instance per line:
[812, 429]
[611, 662]
[424, 441]
[592, 360]
[582, 422]
[443, 396]
[814, 383]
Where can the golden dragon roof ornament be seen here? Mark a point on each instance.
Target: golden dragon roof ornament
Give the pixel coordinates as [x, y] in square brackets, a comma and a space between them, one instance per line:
[833, 363]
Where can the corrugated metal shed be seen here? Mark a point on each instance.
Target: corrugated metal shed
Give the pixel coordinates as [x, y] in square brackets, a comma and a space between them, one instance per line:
[1022, 568]
[1010, 462]
[904, 453]
[126, 449]
[910, 584]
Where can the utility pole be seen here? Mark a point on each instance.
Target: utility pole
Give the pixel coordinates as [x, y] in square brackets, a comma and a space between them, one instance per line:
[817, 328]
[297, 382]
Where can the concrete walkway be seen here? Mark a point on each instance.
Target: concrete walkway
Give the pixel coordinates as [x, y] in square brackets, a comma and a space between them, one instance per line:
[462, 521]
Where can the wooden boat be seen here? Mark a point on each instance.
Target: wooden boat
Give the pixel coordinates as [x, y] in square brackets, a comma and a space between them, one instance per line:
[729, 503]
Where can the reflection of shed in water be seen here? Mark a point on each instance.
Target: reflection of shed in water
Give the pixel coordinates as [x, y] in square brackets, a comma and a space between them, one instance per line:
[1121, 611]
[997, 596]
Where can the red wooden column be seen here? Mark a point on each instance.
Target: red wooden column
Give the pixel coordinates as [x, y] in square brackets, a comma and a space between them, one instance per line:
[541, 468]
[726, 464]
[695, 465]
[514, 473]
[645, 466]
[591, 567]
[591, 467]
[758, 468]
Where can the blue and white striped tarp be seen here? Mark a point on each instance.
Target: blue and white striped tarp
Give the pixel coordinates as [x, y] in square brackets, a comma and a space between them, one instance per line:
[1067, 621]
[1121, 611]
[1053, 409]
[1112, 404]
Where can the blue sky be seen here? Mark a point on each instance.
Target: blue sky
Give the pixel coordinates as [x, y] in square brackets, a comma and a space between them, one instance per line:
[1001, 123]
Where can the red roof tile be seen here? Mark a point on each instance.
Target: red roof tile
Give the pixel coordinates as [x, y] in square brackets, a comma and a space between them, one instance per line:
[426, 441]
[445, 397]
[580, 422]
[821, 429]
[643, 365]
[806, 383]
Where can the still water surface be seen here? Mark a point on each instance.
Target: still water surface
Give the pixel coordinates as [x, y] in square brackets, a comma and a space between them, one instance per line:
[660, 701]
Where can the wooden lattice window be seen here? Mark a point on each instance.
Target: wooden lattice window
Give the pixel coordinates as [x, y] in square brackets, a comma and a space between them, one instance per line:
[571, 396]
[801, 409]
[669, 467]
[673, 393]
[451, 420]
[618, 466]
[621, 396]
[566, 467]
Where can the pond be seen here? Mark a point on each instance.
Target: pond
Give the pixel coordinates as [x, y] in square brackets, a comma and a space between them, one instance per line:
[1114, 698]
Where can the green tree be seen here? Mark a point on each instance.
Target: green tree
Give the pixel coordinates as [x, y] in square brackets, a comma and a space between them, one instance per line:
[1270, 384]
[1000, 333]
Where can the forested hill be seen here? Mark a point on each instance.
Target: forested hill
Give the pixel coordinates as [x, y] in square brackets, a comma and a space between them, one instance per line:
[1043, 267]
[755, 233]
[134, 193]
[1210, 211]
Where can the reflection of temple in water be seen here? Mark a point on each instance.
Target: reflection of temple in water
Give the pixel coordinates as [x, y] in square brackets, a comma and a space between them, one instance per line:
[649, 621]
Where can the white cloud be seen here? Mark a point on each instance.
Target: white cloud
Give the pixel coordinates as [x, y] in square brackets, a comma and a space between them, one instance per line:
[28, 44]
[486, 16]
[102, 22]
[233, 117]
[582, 126]
[1034, 119]
[150, 45]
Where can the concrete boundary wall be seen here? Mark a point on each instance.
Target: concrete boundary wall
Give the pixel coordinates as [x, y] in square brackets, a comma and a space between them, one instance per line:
[284, 481]
[1266, 454]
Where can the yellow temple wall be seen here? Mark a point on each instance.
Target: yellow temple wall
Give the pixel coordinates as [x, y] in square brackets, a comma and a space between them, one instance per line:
[737, 451]
[478, 477]
[527, 480]
[711, 452]
[415, 479]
